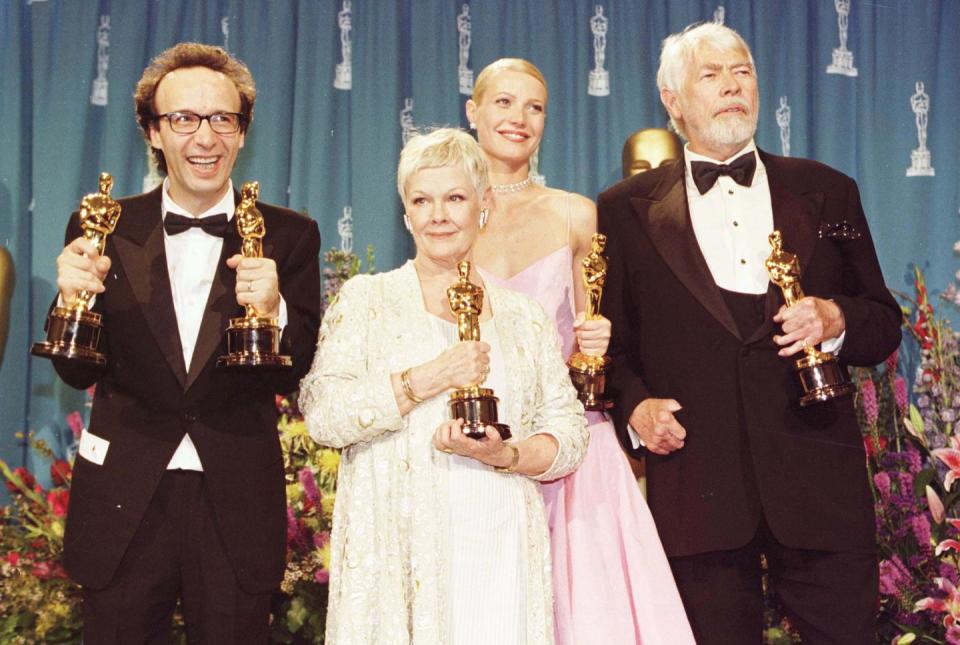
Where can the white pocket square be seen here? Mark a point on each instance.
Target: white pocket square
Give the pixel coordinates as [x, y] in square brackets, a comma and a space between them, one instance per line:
[93, 448]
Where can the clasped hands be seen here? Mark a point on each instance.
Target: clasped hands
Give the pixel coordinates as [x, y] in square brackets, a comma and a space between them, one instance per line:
[805, 324]
[81, 268]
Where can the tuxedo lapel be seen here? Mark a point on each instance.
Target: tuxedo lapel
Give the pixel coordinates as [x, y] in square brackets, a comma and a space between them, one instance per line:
[221, 307]
[797, 217]
[139, 245]
[666, 219]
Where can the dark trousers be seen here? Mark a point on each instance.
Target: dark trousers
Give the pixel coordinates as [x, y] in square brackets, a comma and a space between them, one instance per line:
[176, 553]
[830, 597]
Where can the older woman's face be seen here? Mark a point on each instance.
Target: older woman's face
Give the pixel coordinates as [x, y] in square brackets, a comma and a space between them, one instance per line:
[444, 211]
[510, 116]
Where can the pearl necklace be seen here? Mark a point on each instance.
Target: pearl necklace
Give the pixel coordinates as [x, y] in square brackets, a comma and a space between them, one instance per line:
[503, 189]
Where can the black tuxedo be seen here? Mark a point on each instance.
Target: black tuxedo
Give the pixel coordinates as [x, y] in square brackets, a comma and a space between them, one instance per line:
[751, 453]
[146, 400]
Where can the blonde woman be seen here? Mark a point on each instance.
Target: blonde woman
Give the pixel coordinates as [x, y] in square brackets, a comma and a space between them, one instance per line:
[611, 578]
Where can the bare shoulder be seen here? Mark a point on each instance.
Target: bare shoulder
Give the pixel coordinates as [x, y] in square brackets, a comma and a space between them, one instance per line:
[581, 211]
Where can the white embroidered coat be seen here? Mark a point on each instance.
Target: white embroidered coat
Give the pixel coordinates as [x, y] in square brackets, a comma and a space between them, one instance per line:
[388, 544]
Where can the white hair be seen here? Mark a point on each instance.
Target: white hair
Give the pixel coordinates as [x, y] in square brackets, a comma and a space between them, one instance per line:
[441, 148]
[679, 52]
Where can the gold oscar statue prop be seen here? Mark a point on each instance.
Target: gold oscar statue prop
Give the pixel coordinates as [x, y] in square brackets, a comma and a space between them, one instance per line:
[253, 341]
[476, 405]
[821, 376]
[589, 373]
[73, 331]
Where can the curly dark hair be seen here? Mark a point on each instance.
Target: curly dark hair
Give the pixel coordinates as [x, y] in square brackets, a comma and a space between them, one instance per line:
[190, 55]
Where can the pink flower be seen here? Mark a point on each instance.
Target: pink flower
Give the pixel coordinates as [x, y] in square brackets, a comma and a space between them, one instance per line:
[60, 472]
[42, 570]
[59, 500]
[321, 576]
[882, 481]
[75, 421]
[900, 394]
[868, 396]
[25, 477]
[891, 362]
[936, 506]
[950, 605]
[947, 545]
[309, 484]
[951, 457]
[320, 539]
[13, 558]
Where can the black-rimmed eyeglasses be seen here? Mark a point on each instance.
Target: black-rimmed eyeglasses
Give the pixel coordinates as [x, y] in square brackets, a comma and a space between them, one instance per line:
[189, 122]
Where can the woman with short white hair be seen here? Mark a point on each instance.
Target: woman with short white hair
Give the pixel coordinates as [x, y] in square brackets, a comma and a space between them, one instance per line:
[439, 537]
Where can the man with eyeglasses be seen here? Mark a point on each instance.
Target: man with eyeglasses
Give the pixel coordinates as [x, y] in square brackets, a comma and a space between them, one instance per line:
[178, 489]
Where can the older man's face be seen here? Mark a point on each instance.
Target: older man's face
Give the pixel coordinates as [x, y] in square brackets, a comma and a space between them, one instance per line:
[718, 102]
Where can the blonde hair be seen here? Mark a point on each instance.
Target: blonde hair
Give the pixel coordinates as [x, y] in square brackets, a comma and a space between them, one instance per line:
[505, 65]
[441, 148]
[679, 51]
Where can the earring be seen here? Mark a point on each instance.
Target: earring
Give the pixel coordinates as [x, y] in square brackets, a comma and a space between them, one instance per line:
[473, 126]
[484, 214]
[406, 222]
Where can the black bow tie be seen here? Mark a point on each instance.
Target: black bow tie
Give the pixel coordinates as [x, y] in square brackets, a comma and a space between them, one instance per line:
[217, 225]
[741, 170]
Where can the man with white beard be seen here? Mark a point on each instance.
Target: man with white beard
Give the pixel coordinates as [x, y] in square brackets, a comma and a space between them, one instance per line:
[704, 348]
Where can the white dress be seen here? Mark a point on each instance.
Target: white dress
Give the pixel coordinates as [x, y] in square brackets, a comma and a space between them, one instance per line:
[487, 533]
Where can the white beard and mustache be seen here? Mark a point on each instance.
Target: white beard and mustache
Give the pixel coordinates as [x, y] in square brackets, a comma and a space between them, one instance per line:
[727, 131]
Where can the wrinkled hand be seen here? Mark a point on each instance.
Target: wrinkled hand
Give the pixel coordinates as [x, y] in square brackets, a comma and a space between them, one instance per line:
[80, 268]
[257, 284]
[593, 336]
[465, 364]
[808, 323]
[654, 421]
[449, 438]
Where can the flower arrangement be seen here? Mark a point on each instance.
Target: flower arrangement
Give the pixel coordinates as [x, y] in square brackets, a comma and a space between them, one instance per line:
[38, 602]
[311, 475]
[914, 457]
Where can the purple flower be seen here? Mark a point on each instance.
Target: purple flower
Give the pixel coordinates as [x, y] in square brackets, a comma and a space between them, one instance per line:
[913, 460]
[882, 481]
[868, 397]
[309, 484]
[893, 576]
[320, 538]
[75, 421]
[891, 362]
[293, 528]
[921, 531]
[900, 393]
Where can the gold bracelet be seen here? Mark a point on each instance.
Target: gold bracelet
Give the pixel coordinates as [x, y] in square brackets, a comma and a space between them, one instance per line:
[513, 462]
[407, 389]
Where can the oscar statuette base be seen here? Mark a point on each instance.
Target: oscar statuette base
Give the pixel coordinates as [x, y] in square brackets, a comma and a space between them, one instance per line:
[589, 376]
[72, 334]
[822, 379]
[477, 406]
[254, 343]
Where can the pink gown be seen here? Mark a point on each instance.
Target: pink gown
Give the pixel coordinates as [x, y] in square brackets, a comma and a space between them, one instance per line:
[612, 583]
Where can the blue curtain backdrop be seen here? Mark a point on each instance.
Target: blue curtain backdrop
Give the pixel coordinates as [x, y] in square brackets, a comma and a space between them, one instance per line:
[321, 149]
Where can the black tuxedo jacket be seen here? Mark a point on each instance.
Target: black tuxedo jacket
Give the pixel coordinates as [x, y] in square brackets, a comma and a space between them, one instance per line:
[146, 399]
[674, 337]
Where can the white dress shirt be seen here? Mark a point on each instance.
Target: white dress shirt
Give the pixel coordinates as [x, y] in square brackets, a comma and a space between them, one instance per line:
[732, 224]
[192, 258]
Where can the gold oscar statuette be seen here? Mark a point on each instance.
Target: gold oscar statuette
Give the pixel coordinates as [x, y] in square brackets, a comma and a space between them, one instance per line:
[821, 376]
[253, 341]
[476, 405]
[73, 331]
[589, 373]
